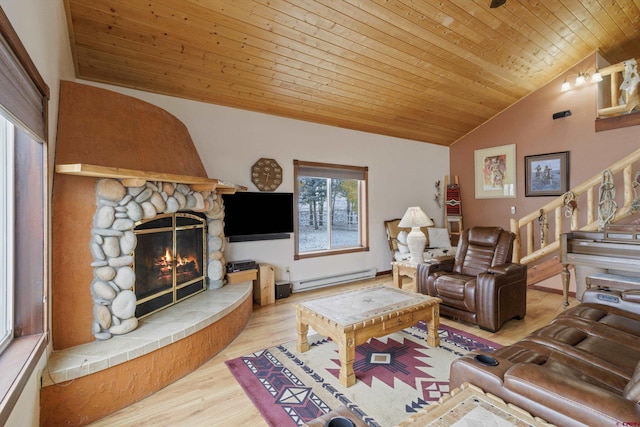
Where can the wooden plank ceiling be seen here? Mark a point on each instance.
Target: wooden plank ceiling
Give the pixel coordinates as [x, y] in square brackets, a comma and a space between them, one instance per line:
[427, 70]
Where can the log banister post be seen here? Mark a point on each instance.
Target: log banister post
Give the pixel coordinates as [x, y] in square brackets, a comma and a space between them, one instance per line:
[558, 225]
[515, 229]
[545, 230]
[590, 206]
[628, 185]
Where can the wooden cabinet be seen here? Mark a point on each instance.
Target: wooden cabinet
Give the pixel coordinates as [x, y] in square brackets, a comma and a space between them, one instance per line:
[242, 276]
[264, 291]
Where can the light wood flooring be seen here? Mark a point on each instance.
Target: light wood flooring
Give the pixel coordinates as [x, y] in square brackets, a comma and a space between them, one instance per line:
[210, 396]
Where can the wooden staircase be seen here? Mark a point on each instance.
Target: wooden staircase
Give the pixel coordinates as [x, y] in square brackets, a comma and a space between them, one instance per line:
[541, 230]
[544, 270]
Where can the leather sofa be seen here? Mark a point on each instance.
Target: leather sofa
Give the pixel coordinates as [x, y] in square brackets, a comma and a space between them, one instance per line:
[582, 369]
[479, 284]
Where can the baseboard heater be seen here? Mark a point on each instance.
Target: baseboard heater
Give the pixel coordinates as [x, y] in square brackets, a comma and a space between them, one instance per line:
[336, 279]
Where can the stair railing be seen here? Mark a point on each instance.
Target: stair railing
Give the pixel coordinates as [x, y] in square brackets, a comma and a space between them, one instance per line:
[581, 216]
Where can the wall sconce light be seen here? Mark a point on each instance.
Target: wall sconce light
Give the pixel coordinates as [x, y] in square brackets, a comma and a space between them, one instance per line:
[581, 79]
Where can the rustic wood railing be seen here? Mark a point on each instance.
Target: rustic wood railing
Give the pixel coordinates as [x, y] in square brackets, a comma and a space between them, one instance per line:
[535, 226]
[619, 100]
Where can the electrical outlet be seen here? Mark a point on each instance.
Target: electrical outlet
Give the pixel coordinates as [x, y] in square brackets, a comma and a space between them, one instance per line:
[513, 210]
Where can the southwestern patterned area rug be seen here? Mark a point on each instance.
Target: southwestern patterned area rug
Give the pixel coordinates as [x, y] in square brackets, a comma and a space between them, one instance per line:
[396, 376]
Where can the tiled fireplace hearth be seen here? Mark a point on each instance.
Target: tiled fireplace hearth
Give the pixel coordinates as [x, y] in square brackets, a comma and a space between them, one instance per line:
[177, 338]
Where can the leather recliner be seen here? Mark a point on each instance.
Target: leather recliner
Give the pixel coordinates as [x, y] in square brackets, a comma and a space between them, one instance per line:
[479, 285]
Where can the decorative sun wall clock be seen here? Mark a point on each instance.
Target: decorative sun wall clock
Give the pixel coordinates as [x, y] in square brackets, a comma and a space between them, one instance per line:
[266, 174]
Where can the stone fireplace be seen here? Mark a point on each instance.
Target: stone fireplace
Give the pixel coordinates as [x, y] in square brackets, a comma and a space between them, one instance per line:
[169, 260]
[153, 245]
[120, 162]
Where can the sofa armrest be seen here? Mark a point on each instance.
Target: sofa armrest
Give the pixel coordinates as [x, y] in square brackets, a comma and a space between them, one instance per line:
[509, 269]
[501, 294]
[423, 271]
[443, 263]
[468, 369]
[578, 400]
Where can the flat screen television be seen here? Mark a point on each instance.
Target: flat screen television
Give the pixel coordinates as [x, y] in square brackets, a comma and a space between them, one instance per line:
[258, 216]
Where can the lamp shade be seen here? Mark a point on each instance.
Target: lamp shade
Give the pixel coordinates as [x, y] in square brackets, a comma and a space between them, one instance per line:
[415, 217]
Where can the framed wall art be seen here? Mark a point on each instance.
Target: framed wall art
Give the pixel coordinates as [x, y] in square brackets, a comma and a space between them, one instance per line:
[546, 174]
[495, 172]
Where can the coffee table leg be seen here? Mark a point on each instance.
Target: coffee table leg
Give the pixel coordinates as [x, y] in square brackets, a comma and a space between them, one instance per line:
[433, 339]
[303, 328]
[347, 354]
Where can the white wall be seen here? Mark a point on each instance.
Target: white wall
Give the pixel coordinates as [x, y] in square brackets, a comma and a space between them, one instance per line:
[402, 173]
[42, 28]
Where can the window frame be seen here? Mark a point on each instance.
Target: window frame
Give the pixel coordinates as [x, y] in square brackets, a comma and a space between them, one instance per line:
[29, 114]
[7, 227]
[363, 205]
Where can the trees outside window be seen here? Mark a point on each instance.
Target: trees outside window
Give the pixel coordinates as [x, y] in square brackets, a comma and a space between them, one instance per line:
[331, 214]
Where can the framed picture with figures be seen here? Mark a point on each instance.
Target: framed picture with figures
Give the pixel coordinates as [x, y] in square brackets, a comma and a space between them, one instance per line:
[495, 172]
[546, 174]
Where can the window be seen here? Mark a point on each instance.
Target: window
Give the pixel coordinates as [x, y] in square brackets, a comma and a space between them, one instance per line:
[23, 216]
[6, 231]
[331, 209]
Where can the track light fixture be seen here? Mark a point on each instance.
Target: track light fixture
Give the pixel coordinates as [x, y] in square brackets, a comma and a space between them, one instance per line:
[581, 79]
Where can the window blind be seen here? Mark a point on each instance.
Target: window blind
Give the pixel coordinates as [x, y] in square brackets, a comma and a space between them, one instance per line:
[325, 170]
[23, 93]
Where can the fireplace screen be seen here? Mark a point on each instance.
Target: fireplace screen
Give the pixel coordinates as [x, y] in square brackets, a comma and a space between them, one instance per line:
[169, 260]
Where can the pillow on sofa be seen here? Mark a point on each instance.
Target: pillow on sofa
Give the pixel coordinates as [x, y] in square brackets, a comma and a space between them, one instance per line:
[439, 238]
[402, 242]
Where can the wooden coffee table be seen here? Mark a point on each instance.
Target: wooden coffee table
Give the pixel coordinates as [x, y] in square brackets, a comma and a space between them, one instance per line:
[352, 318]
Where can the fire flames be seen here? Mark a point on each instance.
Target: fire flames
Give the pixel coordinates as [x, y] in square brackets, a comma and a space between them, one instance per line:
[184, 265]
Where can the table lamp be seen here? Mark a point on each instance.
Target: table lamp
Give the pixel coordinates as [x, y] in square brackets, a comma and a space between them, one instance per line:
[415, 218]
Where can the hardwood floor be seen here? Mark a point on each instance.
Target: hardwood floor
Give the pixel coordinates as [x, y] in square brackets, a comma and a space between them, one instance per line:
[210, 396]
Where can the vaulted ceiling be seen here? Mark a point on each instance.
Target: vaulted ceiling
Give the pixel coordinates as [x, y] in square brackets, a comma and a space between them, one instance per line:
[427, 70]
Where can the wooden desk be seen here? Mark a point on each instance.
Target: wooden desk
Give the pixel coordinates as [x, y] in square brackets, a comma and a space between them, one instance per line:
[351, 318]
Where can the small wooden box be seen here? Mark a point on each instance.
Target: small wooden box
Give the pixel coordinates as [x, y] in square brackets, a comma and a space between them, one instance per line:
[242, 276]
[264, 286]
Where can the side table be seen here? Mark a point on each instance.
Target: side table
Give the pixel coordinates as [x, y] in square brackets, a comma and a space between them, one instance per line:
[401, 269]
[406, 269]
[264, 288]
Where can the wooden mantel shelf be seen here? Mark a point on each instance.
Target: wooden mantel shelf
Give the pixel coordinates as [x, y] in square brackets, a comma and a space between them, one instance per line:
[135, 178]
